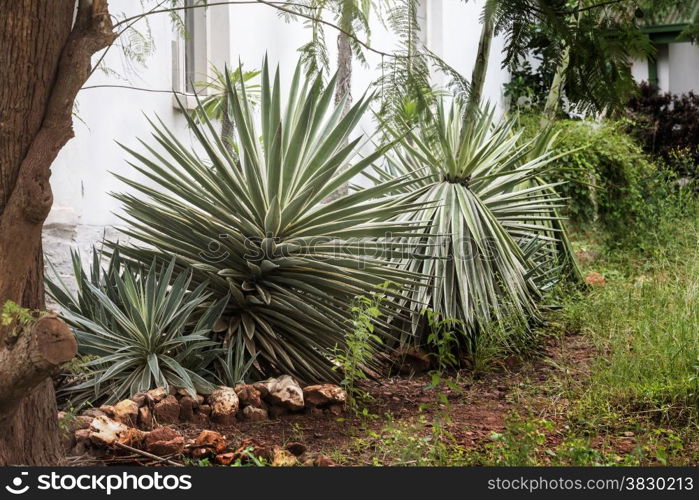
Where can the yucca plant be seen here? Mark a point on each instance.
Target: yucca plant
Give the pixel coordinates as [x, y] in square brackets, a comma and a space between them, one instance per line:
[255, 228]
[137, 329]
[493, 225]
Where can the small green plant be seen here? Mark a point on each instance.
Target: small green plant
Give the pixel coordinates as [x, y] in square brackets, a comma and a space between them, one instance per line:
[67, 419]
[411, 443]
[246, 458]
[442, 339]
[664, 445]
[17, 317]
[576, 451]
[443, 342]
[360, 347]
[519, 444]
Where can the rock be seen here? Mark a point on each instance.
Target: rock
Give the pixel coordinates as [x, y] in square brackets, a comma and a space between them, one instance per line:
[94, 412]
[83, 422]
[224, 405]
[140, 399]
[157, 395]
[208, 443]
[254, 414]
[164, 441]
[296, 449]
[181, 392]
[132, 437]
[82, 436]
[324, 461]
[595, 279]
[205, 410]
[282, 458]
[248, 395]
[126, 412]
[285, 392]
[105, 432]
[78, 450]
[276, 411]
[261, 387]
[107, 410]
[336, 410]
[324, 394]
[411, 360]
[225, 458]
[145, 417]
[187, 406]
[200, 420]
[81, 442]
[167, 411]
[74, 423]
[319, 460]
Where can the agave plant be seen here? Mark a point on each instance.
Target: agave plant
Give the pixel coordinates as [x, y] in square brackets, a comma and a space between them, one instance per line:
[137, 329]
[493, 224]
[255, 228]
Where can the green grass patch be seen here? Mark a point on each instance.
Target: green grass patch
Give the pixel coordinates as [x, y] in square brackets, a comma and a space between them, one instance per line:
[645, 324]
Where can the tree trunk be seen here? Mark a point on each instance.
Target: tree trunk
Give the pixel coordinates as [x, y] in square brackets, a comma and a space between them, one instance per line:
[44, 60]
[481, 66]
[344, 72]
[343, 90]
[553, 98]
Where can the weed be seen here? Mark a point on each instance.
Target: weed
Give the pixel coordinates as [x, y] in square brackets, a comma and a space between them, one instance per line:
[68, 418]
[359, 349]
[519, 443]
[411, 443]
[246, 458]
[16, 317]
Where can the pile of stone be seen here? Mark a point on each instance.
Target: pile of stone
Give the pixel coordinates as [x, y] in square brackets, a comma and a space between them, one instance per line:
[140, 421]
[105, 435]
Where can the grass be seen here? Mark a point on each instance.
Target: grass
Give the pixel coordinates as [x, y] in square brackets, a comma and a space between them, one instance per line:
[645, 323]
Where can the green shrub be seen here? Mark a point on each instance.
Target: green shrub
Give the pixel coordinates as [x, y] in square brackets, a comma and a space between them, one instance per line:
[137, 330]
[604, 170]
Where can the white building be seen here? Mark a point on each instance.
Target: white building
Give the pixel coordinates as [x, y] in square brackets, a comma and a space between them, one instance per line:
[675, 66]
[221, 34]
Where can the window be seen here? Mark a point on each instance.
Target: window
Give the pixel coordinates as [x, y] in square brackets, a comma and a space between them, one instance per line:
[190, 49]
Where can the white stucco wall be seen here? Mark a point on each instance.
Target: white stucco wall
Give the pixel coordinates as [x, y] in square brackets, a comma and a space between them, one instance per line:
[684, 67]
[678, 67]
[81, 177]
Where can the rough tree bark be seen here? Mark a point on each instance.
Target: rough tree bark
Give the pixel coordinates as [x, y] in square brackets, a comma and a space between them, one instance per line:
[45, 52]
[343, 88]
[344, 72]
[481, 66]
